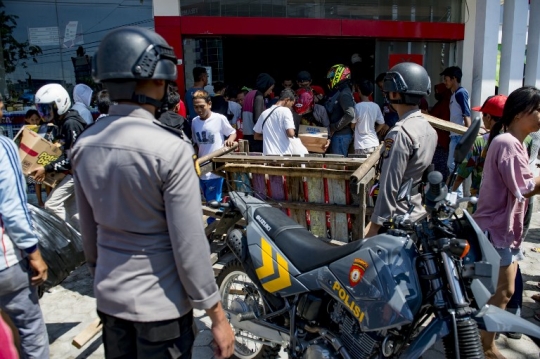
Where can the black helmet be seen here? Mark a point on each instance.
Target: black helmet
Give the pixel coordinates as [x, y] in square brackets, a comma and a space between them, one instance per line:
[133, 53]
[410, 80]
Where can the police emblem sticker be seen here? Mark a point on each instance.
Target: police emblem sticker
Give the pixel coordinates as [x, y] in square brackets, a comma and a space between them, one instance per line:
[388, 143]
[357, 271]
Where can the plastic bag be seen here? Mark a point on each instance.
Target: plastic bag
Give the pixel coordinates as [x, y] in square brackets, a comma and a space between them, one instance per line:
[59, 243]
[297, 147]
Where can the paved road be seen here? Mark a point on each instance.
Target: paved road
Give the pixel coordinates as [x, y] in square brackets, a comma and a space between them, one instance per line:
[70, 307]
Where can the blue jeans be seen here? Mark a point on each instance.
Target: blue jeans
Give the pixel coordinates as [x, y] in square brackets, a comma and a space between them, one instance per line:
[19, 300]
[211, 189]
[454, 140]
[339, 144]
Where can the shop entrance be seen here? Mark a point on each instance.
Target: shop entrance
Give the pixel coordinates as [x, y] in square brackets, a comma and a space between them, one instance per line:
[245, 57]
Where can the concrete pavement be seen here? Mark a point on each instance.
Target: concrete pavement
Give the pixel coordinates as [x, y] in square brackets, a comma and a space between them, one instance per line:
[70, 307]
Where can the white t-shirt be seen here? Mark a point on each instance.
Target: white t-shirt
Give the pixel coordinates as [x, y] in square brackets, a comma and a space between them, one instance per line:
[209, 135]
[275, 139]
[366, 114]
[236, 110]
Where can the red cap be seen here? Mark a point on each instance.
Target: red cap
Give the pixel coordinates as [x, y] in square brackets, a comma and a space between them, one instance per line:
[494, 106]
[318, 90]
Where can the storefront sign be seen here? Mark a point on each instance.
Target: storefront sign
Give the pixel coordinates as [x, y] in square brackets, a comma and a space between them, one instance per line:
[43, 36]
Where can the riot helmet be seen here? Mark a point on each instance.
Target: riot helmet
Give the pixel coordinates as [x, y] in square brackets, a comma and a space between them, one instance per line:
[408, 79]
[130, 54]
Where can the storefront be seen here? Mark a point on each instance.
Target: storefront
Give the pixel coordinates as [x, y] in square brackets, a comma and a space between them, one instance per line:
[239, 39]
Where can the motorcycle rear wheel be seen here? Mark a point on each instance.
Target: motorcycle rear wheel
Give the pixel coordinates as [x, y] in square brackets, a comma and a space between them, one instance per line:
[231, 281]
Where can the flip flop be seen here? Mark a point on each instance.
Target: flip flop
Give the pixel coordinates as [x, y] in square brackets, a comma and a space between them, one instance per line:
[536, 297]
[535, 249]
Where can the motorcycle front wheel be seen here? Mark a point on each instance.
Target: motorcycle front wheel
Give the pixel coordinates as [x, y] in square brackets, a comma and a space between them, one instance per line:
[238, 292]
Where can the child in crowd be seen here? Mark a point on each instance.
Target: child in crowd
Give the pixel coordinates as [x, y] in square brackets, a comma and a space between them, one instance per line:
[209, 130]
[368, 120]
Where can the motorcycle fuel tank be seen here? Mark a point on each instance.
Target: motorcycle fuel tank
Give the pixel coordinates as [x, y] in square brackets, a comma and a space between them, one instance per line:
[378, 283]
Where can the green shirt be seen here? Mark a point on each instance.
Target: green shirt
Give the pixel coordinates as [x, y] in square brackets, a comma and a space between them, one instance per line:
[474, 161]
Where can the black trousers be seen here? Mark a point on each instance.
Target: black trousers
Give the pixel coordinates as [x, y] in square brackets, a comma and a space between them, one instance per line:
[124, 339]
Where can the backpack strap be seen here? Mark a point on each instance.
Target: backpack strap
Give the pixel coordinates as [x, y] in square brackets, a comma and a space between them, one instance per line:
[266, 118]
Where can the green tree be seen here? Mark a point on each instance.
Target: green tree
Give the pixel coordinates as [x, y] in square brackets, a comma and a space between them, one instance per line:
[14, 53]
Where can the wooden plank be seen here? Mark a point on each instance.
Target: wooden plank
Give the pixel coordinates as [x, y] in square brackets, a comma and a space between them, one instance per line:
[216, 213]
[315, 191]
[338, 221]
[313, 171]
[286, 160]
[445, 125]
[362, 219]
[323, 207]
[87, 334]
[258, 179]
[371, 162]
[295, 194]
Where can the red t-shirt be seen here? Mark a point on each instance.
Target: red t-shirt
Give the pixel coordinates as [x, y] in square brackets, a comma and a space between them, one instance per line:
[182, 109]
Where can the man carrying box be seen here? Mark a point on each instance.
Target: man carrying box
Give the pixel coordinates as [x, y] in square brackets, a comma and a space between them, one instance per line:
[53, 104]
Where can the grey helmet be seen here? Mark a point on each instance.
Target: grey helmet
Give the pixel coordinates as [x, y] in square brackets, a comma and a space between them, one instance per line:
[408, 79]
[130, 54]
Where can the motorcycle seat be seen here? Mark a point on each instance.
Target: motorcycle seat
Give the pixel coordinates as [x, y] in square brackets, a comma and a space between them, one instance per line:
[303, 249]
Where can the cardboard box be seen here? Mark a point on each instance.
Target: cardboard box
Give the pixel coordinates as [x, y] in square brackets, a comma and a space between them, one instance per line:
[313, 137]
[35, 151]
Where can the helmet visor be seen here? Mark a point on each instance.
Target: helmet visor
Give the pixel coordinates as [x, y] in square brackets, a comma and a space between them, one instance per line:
[45, 110]
[393, 82]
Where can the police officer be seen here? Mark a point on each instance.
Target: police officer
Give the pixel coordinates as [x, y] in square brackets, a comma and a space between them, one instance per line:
[408, 147]
[140, 210]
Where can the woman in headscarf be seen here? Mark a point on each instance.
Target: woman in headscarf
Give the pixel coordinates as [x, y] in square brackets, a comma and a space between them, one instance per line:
[82, 96]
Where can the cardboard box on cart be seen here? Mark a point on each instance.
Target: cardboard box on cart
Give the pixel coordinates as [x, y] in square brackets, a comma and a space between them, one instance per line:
[35, 151]
[313, 137]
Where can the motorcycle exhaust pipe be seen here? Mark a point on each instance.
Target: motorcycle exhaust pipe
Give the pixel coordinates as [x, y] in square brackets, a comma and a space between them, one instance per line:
[249, 323]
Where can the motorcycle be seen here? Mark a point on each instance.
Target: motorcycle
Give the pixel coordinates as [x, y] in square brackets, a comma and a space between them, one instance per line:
[390, 296]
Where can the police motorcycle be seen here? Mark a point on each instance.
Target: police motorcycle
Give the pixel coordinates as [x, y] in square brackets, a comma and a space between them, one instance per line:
[390, 296]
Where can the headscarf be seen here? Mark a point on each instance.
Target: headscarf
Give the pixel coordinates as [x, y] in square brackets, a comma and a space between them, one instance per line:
[264, 82]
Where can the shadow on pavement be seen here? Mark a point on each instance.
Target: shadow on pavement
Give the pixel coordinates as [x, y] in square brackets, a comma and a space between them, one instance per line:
[91, 348]
[56, 330]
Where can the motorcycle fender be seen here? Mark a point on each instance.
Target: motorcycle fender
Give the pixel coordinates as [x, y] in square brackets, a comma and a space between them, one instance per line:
[437, 329]
[495, 319]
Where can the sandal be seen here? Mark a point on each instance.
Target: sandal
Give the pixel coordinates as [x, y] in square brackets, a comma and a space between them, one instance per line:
[536, 297]
[535, 249]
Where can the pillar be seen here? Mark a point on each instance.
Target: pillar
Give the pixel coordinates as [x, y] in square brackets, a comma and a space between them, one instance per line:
[167, 24]
[486, 34]
[514, 32]
[532, 69]
[462, 53]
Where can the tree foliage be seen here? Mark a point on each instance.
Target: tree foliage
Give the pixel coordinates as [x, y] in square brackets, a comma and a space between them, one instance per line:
[15, 53]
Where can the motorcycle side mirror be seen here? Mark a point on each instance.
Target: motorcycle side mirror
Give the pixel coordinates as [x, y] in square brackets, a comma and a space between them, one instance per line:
[404, 193]
[467, 140]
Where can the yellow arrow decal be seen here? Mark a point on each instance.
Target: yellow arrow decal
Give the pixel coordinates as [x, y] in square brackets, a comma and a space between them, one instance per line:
[284, 279]
[267, 268]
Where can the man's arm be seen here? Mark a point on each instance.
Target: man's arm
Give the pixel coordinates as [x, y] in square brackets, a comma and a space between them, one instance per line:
[346, 101]
[462, 98]
[258, 107]
[189, 244]
[395, 157]
[14, 211]
[258, 136]
[87, 221]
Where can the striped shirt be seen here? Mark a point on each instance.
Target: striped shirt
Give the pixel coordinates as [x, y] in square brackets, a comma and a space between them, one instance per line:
[16, 232]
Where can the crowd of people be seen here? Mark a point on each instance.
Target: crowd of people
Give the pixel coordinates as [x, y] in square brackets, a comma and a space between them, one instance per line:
[148, 253]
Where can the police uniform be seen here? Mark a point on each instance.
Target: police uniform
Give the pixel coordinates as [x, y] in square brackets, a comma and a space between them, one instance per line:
[407, 152]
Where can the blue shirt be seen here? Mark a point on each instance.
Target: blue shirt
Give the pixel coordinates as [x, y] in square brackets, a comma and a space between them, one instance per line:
[459, 107]
[16, 231]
